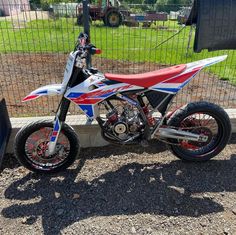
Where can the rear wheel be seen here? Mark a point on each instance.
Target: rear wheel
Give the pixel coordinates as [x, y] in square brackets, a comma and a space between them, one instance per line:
[201, 118]
[113, 19]
[31, 144]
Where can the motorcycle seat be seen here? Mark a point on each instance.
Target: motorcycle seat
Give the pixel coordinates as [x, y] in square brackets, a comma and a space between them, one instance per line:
[148, 79]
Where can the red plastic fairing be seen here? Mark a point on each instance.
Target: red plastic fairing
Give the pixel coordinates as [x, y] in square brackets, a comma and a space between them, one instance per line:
[148, 79]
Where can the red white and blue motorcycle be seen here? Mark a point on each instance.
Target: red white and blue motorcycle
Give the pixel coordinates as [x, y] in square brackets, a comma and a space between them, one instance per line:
[130, 109]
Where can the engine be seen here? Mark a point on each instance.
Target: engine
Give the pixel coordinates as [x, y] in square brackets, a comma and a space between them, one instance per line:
[124, 123]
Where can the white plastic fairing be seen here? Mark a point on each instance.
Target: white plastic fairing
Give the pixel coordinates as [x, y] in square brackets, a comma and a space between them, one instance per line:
[206, 62]
[68, 69]
[50, 90]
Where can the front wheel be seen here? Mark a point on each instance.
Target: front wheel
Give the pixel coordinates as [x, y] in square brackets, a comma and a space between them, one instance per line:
[31, 145]
[201, 118]
[80, 20]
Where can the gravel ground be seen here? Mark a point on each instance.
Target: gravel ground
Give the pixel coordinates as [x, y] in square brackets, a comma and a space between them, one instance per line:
[122, 190]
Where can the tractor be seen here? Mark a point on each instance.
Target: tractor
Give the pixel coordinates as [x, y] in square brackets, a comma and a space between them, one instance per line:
[105, 10]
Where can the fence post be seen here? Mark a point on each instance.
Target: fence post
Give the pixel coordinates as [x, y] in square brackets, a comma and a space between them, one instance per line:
[5, 128]
[87, 29]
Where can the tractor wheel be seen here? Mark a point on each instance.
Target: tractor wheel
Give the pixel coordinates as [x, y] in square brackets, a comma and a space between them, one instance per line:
[113, 18]
[80, 20]
[104, 21]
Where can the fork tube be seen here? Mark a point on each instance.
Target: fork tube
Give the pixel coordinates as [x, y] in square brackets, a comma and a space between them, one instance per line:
[59, 119]
[54, 136]
[63, 109]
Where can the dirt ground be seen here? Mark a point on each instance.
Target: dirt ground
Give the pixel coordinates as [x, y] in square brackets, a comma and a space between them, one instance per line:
[122, 190]
[22, 73]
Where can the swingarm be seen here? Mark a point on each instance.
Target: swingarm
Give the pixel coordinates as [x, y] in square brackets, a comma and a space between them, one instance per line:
[180, 135]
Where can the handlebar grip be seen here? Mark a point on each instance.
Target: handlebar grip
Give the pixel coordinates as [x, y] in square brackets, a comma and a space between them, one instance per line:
[98, 51]
[94, 50]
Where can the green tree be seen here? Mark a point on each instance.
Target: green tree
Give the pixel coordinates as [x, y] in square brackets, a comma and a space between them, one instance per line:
[178, 2]
[34, 2]
[149, 1]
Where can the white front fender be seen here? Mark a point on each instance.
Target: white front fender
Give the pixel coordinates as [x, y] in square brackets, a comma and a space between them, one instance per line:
[50, 90]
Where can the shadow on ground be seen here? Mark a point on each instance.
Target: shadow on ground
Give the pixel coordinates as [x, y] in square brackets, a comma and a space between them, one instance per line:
[155, 146]
[162, 189]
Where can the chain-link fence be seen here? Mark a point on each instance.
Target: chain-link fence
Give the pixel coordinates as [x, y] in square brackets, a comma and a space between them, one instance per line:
[36, 40]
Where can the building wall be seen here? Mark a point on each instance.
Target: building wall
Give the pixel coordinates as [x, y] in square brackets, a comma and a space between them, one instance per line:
[12, 7]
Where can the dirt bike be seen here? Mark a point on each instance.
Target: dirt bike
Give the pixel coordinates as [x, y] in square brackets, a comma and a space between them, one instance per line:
[130, 109]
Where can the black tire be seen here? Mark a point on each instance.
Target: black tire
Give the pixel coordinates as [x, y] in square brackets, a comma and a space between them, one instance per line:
[113, 18]
[222, 121]
[21, 144]
[80, 20]
[104, 21]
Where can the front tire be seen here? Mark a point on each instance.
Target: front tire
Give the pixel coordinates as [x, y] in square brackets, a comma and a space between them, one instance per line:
[80, 20]
[201, 118]
[31, 144]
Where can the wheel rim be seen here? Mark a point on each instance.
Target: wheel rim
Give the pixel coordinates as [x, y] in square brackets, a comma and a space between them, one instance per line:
[113, 19]
[37, 145]
[201, 124]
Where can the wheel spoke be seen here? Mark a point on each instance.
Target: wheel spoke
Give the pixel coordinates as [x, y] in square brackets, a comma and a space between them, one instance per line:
[37, 145]
[200, 123]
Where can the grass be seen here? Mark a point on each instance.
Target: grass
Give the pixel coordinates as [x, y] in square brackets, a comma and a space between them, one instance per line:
[123, 43]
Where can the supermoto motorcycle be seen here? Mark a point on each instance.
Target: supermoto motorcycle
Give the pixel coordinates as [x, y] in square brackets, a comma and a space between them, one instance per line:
[130, 109]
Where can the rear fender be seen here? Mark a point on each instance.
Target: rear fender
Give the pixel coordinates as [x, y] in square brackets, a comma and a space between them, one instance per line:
[206, 62]
[50, 90]
[175, 84]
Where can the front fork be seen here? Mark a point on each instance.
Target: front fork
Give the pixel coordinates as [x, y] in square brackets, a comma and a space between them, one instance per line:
[58, 122]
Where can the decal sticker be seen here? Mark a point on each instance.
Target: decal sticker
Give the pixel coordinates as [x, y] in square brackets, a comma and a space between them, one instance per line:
[95, 96]
[88, 110]
[56, 130]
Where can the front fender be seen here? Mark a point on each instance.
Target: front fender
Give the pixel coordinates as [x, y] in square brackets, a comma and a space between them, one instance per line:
[51, 90]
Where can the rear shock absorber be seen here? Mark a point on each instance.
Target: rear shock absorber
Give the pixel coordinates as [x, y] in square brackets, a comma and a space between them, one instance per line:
[151, 120]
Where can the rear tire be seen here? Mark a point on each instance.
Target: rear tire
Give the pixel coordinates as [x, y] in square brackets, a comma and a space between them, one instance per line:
[113, 18]
[36, 135]
[219, 140]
